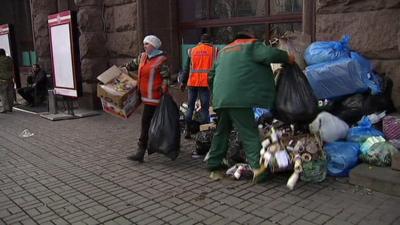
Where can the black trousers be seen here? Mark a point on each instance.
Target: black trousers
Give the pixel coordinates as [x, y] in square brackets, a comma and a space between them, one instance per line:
[148, 113]
[28, 94]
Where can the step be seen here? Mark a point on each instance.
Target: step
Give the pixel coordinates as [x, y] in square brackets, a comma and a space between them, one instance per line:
[382, 179]
[396, 161]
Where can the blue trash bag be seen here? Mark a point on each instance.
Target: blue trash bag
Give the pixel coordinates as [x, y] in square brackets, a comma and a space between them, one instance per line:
[363, 131]
[336, 79]
[327, 51]
[371, 79]
[342, 157]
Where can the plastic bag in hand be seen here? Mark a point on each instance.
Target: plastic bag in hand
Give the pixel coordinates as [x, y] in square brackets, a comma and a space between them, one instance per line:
[164, 132]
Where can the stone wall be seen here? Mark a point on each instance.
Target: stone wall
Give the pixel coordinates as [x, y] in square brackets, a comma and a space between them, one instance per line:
[120, 17]
[40, 9]
[93, 55]
[107, 37]
[374, 27]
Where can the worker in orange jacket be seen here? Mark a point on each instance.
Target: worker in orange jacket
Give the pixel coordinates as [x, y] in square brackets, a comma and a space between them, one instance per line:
[200, 61]
[153, 78]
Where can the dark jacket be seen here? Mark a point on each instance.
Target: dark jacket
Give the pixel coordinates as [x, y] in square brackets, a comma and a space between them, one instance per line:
[6, 68]
[39, 82]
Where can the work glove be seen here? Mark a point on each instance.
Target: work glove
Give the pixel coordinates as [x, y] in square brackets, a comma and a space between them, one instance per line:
[164, 88]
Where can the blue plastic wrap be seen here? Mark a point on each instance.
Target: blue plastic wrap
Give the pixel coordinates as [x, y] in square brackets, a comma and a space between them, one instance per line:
[363, 131]
[258, 112]
[327, 51]
[342, 157]
[372, 80]
[335, 79]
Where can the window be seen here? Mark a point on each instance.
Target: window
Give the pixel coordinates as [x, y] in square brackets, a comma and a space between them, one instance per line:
[226, 34]
[236, 8]
[285, 6]
[224, 18]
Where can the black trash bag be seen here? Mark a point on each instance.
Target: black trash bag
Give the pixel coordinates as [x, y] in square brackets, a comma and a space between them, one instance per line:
[382, 102]
[235, 152]
[164, 132]
[295, 100]
[203, 141]
[351, 109]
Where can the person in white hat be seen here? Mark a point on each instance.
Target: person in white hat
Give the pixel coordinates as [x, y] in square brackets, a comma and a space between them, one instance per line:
[153, 80]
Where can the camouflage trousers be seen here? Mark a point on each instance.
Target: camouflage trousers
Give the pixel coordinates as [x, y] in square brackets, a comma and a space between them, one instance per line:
[7, 95]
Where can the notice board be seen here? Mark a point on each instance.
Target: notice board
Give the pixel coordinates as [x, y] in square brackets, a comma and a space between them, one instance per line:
[5, 39]
[64, 54]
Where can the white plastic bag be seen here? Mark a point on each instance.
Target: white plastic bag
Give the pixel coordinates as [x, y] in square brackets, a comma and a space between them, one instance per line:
[329, 127]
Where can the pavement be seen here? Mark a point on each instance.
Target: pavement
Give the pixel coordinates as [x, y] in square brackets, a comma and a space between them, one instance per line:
[76, 172]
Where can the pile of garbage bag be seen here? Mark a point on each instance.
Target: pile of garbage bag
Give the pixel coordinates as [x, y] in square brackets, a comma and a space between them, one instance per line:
[327, 119]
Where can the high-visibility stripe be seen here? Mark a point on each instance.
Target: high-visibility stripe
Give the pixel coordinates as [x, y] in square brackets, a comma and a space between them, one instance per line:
[199, 71]
[152, 100]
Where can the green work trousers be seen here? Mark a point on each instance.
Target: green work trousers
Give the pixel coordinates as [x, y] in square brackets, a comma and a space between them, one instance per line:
[243, 120]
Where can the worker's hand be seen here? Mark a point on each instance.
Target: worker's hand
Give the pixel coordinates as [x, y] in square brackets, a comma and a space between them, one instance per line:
[124, 69]
[164, 88]
[182, 86]
[292, 59]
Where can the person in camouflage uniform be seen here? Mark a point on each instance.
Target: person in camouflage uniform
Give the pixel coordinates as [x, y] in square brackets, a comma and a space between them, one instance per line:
[6, 82]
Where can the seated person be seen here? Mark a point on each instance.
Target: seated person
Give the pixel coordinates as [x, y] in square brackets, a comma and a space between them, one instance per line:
[37, 86]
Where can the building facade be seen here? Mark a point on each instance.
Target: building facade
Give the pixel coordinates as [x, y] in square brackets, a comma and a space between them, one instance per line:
[111, 31]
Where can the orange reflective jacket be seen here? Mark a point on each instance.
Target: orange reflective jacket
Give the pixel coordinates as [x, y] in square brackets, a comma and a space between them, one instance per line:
[202, 60]
[150, 78]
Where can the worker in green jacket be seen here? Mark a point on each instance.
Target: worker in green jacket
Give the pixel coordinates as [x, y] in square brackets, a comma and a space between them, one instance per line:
[6, 82]
[242, 79]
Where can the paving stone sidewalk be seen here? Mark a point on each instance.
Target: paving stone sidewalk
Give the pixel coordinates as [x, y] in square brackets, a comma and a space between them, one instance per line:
[76, 172]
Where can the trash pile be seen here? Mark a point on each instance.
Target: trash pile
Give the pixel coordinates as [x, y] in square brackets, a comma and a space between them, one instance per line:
[328, 118]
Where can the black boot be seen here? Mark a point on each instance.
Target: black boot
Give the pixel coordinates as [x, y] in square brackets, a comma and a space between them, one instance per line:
[186, 133]
[139, 156]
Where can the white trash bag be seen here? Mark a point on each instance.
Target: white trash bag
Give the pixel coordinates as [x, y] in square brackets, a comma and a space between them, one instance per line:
[329, 127]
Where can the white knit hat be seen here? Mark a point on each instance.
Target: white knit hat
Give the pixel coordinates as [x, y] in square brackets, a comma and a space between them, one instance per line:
[153, 40]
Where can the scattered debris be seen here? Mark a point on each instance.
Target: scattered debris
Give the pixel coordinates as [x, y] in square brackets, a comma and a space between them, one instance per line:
[26, 133]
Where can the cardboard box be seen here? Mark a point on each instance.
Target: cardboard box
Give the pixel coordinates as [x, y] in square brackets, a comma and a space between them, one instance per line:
[207, 126]
[116, 86]
[118, 93]
[126, 111]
